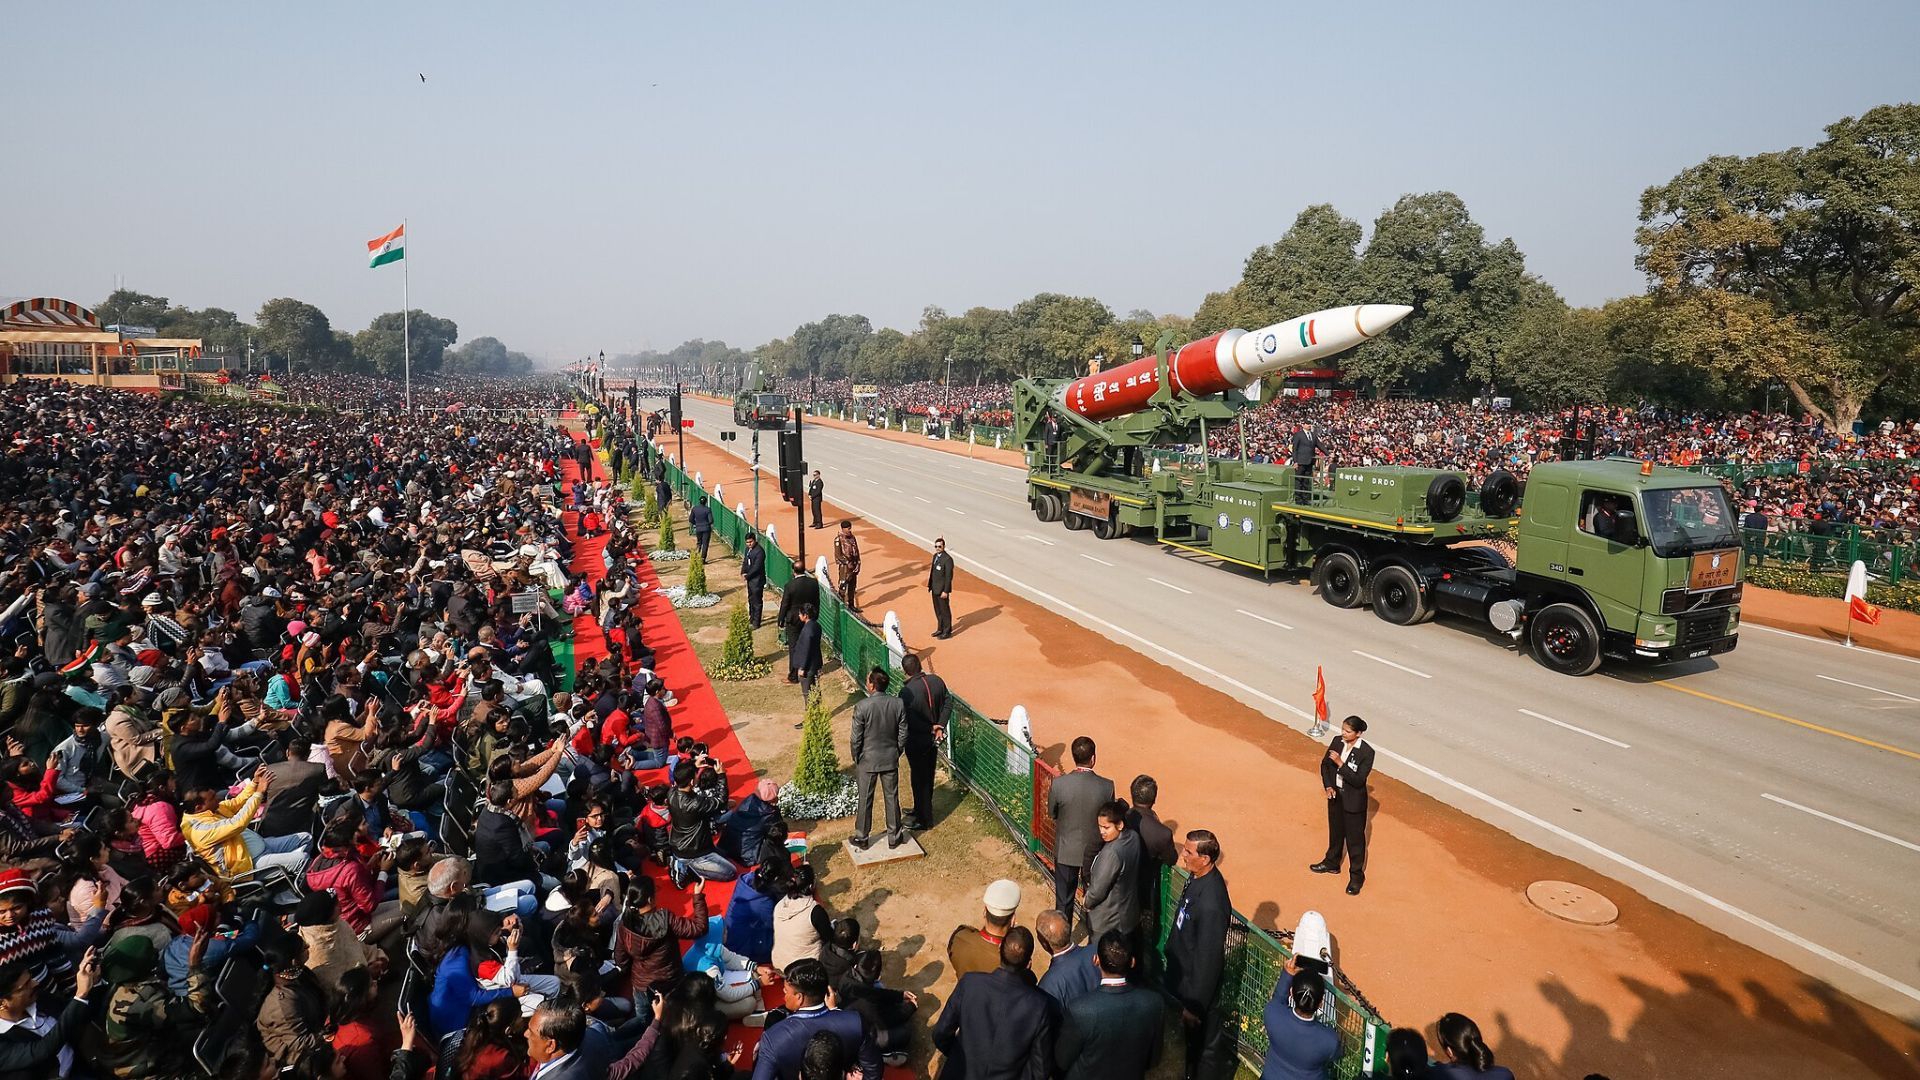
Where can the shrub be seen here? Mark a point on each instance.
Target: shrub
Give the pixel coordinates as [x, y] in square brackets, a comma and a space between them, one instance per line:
[818, 771]
[649, 506]
[737, 660]
[696, 575]
[1902, 597]
[665, 541]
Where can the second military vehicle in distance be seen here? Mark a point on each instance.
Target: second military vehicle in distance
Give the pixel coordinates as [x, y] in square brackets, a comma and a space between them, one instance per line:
[760, 409]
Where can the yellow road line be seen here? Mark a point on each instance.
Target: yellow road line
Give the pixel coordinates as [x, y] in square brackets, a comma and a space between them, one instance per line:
[1850, 737]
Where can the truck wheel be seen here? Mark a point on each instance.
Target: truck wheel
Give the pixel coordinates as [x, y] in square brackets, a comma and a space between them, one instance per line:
[1446, 497]
[1565, 639]
[1106, 529]
[1338, 575]
[1046, 506]
[1397, 598]
[1076, 523]
[1499, 494]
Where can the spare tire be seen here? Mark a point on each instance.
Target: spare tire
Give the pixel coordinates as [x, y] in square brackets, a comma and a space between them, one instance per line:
[1499, 494]
[1446, 497]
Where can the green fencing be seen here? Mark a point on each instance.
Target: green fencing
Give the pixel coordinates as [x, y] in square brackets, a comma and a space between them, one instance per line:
[1891, 555]
[1006, 775]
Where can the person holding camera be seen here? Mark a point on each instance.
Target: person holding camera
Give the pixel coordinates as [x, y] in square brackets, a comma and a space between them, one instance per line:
[699, 796]
[1299, 1046]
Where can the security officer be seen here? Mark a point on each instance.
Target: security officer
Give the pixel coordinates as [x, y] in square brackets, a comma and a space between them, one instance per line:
[753, 571]
[816, 489]
[846, 565]
[940, 585]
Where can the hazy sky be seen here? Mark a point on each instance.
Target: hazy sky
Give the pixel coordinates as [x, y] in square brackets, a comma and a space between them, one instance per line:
[579, 177]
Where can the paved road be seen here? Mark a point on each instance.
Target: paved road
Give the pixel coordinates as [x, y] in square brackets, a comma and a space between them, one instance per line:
[1773, 793]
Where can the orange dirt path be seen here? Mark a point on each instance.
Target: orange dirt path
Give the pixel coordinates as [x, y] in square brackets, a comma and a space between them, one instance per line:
[1443, 924]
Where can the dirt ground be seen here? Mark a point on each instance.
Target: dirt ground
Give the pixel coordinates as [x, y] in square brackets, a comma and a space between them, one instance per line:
[1443, 925]
[908, 908]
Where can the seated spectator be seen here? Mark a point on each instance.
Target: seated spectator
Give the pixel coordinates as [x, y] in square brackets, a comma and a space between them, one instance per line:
[749, 917]
[493, 1047]
[648, 943]
[800, 924]
[361, 889]
[699, 796]
[333, 949]
[1406, 1056]
[885, 1012]
[217, 831]
[148, 1029]
[1464, 1054]
[746, 826]
[293, 1019]
[37, 1044]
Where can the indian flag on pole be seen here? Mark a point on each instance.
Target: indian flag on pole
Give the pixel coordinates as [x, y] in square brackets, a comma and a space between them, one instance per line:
[389, 248]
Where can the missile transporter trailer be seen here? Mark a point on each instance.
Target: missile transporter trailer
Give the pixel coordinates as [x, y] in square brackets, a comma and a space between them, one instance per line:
[1611, 558]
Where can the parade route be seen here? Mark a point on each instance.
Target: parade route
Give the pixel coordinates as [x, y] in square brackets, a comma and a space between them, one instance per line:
[1630, 773]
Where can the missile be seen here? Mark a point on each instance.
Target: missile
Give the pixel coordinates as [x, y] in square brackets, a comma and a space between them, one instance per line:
[1231, 359]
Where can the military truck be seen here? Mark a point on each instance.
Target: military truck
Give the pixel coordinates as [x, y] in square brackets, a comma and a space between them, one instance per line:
[760, 410]
[1610, 558]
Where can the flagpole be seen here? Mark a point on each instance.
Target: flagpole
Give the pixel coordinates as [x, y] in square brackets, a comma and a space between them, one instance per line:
[406, 317]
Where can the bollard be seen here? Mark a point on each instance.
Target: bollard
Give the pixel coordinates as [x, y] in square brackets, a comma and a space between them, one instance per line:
[820, 573]
[1020, 754]
[773, 529]
[996, 442]
[896, 642]
[716, 493]
[699, 480]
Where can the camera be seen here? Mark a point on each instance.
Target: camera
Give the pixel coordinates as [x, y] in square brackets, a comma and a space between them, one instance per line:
[391, 842]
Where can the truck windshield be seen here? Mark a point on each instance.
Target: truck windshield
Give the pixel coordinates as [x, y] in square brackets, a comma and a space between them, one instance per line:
[770, 401]
[1681, 521]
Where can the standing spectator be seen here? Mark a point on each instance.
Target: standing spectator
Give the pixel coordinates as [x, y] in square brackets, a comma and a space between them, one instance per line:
[1112, 1033]
[1112, 897]
[846, 566]
[816, 491]
[1343, 778]
[1074, 802]
[879, 736]
[1070, 969]
[1466, 1054]
[1196, 956]
[1299, 1046]
[650, 939]
[925, 696]
[996, 1025]
[700, 519]
[1157, 848]
[940, 587]
[753, 571]
[803, 655]
[978, 949]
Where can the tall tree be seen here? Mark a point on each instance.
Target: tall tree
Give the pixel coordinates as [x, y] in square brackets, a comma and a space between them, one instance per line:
[289, 330]
[1798, 265]
[826, 349]
[1560, 355]
[1467, 297]
[125, 307]
[1313, 266]
[378, 347]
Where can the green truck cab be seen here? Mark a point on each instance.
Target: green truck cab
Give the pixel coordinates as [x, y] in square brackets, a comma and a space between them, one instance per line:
[760, 409]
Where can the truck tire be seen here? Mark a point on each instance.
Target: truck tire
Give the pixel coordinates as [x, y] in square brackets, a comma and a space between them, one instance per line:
[1108, 529]
[1338, 576]
[1046, 507]
[1565, 639]
[1499, 494]
[1397, 597]
[1446, 497]
[1076, 523]
[1490, 557]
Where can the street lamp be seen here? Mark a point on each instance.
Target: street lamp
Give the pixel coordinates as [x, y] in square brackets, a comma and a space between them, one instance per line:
[949, 381]
[1138, 346]
[1099, 358]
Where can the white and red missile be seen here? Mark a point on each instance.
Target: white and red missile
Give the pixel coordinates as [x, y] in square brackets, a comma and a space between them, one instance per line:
[1230, 359]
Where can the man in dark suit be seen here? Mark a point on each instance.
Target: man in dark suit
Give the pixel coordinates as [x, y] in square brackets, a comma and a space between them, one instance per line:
[1112, 896]
[1070, 971]
[700, 519]
[995, 1025]
[1074, 802]
[554, 1035]
[1197, 956]
[879, 735]
[925, 696]
[785, 1043]
[1343, 776]
[1112, 1033]
[803, 654]
[802, 591]
[1157, 848]
[1304, 453]
[753, 571]
[940, 585]
[816, 491]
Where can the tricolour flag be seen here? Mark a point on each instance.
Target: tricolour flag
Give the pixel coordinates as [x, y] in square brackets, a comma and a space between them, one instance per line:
[389, 248]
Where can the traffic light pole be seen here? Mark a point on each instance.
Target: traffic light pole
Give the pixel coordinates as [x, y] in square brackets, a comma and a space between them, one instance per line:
[756, 479]
[681, 429]
[800, 493]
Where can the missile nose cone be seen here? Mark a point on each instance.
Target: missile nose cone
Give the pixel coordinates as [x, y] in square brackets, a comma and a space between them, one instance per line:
[1373, 319]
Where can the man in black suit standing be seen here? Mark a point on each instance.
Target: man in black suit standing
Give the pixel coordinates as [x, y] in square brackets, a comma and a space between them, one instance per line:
[803, 655]
[1112, 1033]
[925, 696]
[700, 519]
[1197, 957]
[940, 585]
[803, 591]
[753, 571]
[1157, 849]
[816, 491]
[1074, 802]
[1343, 776]
[1303, 454]
[996, 1023]
[879, 735]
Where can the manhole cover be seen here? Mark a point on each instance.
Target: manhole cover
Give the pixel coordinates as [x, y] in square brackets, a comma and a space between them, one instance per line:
[1574, 903]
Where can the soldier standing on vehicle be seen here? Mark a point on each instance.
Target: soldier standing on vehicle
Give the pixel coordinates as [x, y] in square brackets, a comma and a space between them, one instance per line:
[816, 488]
[846, 564]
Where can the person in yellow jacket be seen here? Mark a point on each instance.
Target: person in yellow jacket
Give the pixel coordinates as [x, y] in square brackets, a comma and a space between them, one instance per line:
[219, 832]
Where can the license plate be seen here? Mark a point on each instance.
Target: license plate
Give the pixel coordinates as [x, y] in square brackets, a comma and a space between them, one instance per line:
[1697, 653]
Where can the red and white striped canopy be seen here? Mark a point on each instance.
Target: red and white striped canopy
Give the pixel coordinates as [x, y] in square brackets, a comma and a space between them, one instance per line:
[42, 312]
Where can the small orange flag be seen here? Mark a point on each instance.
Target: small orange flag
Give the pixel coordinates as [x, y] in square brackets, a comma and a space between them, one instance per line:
[1319, 695]
[1858, 608]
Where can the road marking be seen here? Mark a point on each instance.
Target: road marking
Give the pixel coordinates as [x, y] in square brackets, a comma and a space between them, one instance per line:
[957, 510]
[1391, 664]
[1864, 686]
[1571, 727]
[1854, 825]
[929, 502]
[875, 483]
[1170, 585]
[895, 490]
[1849, 736]
[1095, 558]
[1823, 641]
[1262, 618]
[995, 524]
[1774, 929]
